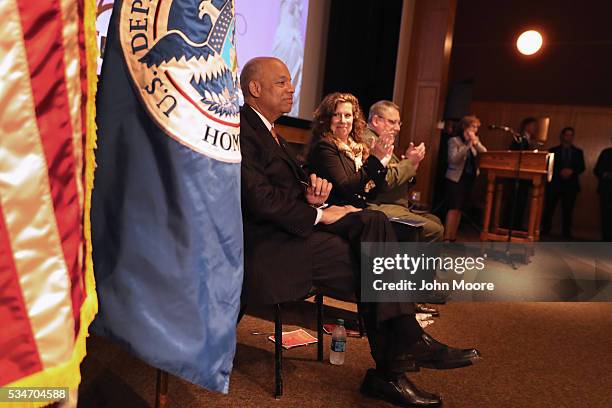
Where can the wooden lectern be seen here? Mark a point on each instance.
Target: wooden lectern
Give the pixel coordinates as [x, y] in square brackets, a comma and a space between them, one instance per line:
[535, 166]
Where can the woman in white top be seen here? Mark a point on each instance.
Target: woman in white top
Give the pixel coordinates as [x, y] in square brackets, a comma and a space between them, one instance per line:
[461, 171]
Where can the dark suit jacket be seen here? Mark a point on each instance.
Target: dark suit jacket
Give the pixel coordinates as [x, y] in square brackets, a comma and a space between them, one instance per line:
[327, 161]
[604, 163]
[277, 219]
[527, 143]
[576, 164]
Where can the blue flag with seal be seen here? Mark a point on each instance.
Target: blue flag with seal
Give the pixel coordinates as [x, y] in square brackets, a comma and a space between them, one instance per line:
[166, 218]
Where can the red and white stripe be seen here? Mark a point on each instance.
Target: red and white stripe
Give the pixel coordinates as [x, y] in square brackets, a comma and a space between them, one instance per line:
[41, 187]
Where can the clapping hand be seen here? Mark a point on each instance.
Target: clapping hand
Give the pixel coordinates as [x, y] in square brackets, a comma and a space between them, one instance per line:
[475, 140]
[318, 190]
[382, 146]
[472, 138]
[415, 154]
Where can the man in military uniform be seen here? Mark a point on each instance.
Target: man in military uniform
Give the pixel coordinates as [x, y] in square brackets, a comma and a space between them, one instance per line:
[384, 118]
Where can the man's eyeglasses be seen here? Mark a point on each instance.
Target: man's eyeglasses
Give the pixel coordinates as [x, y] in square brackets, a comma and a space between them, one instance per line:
[391, 122]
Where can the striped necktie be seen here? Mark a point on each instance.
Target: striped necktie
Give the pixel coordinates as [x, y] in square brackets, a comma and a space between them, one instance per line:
[274, 135]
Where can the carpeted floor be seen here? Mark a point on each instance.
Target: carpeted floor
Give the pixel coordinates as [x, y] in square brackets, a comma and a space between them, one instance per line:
[535, 355]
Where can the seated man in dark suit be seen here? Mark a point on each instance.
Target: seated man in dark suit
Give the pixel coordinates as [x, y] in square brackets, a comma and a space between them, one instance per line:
[568, 165]
[291, 245]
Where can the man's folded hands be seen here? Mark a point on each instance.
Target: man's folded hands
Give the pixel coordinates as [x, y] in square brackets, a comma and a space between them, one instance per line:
[317, 191]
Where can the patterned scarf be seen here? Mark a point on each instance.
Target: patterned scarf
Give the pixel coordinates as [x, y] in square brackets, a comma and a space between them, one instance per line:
[354, 151]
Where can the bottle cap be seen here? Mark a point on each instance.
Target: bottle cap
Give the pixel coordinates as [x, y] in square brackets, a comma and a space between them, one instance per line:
[340, 322]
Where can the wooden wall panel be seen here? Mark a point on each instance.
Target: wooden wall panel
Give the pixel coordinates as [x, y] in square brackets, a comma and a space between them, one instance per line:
[425, 84]
[434, 30]
[293, 134]
[593, 134]
[423, 125]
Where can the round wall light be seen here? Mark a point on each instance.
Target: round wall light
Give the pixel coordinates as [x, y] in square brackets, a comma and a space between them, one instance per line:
[529, 42]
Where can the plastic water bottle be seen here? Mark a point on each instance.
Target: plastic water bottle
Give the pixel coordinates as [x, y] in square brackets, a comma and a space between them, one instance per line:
[338, 344]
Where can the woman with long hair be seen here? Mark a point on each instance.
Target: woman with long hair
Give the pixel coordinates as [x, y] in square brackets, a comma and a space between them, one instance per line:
[337, 153]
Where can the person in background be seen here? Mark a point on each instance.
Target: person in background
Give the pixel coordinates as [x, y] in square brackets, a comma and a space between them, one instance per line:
[528, 131]
[337, 153]
[603, 172]
[461, 172]
[568, 165]
[392, 198]
[439, 201]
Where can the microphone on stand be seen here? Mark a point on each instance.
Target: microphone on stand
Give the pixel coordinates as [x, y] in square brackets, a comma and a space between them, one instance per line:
[498, 127]
[516, 136]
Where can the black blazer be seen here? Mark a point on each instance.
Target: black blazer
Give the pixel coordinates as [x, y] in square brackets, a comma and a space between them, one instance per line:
[604, 163]
[525, 144]
[576, 164]
[277, 219]
[328, 162]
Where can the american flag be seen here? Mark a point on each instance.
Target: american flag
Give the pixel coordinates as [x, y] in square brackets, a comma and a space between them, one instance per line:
[221, 27]
[47, 294]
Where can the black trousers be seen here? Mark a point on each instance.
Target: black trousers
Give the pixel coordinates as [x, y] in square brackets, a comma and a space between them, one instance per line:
[336, 251]
[568, 202]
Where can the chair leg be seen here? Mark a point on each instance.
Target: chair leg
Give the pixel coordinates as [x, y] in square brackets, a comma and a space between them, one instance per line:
[278, 351]
[161, 389]
[361, 325]
[319, 303]
[241, 313]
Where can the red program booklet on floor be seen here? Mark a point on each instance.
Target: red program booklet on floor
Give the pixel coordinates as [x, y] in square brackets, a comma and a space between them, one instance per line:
[296, 338]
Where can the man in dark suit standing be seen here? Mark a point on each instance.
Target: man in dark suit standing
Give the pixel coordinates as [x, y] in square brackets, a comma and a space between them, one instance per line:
[569, 164]
[291, 244]
[603, 172]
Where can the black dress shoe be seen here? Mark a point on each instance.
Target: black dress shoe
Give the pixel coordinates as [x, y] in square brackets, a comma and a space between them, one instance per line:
[427, 352]
[441, 356]
[400, 391]
[421, 308]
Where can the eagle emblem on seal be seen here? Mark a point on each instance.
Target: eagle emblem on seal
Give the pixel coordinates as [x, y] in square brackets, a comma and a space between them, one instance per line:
[182, 56]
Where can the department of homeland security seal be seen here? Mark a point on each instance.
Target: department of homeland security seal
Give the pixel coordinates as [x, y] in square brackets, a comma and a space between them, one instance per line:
[181, 56]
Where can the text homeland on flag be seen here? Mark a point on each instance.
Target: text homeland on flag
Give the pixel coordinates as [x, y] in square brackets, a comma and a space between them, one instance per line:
[181, 56]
